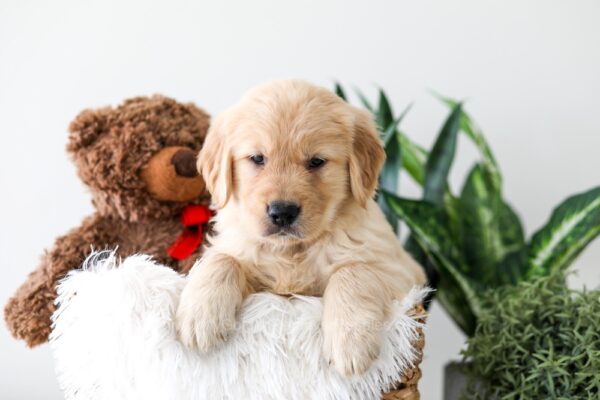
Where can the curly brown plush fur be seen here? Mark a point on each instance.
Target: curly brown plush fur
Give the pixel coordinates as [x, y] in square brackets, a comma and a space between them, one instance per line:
[135, 160]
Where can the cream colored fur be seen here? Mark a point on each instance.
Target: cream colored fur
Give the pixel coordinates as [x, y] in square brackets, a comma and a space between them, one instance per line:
[341, 246]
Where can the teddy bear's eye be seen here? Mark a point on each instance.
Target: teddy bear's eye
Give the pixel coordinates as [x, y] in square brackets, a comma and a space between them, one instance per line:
[258, 159]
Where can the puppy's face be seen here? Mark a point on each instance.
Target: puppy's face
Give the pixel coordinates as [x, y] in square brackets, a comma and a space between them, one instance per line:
[291, 174]
[287, 157]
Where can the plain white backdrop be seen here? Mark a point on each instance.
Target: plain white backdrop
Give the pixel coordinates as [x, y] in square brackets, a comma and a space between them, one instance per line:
[530, 71]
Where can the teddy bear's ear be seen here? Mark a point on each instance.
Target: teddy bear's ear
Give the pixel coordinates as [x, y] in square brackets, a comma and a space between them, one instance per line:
[86, 128]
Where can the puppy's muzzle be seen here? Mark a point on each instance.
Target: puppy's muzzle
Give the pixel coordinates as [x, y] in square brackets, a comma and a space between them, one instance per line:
[283, 213]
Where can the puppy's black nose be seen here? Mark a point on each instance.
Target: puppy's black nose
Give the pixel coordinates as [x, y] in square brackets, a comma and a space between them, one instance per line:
[283, 213]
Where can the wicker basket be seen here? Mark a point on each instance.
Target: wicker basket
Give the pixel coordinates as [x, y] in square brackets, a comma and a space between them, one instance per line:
[407, 388]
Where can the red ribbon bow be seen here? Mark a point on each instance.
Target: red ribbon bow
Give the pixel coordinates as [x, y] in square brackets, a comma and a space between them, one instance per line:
[192, 218]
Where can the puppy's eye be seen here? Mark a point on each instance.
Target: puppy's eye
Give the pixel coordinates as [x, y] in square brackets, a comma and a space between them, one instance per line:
[315, 163]
[258, 159]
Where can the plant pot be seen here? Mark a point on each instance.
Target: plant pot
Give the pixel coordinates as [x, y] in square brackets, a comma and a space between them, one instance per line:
[455, 380]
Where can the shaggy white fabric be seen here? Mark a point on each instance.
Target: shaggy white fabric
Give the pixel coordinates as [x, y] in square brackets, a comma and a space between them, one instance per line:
[114, 338]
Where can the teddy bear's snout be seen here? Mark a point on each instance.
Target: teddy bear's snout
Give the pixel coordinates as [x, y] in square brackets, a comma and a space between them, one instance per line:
[171, 175]
[184, 161]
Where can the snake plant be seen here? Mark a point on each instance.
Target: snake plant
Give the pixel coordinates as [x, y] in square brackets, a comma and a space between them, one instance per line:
[473, 240]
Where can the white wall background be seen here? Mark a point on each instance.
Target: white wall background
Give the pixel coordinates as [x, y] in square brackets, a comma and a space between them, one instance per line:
[530, 70]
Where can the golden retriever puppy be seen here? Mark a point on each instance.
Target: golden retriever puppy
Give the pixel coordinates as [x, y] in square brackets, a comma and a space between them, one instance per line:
[293, 170]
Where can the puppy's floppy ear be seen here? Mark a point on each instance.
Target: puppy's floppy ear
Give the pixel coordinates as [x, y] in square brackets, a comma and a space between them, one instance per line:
[366, 159]
[215, 163]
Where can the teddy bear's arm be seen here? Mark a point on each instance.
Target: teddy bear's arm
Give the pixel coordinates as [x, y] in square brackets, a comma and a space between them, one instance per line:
[28, 312]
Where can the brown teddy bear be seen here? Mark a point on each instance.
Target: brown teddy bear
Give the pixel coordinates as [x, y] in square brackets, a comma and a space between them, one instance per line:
[139, 162]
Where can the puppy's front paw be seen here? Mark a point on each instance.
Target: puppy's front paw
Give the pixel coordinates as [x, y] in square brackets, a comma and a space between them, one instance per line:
[203, 323]
[350, 346]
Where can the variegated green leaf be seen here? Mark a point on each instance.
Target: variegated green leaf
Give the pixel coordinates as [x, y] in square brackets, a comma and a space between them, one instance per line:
[418, 254]
[448, 290]
[340, 91]
[468, 126]
[426, 224]
[391, 131]
[413, 158]
[572, 225]
[440, 159]
[449, 295]
[512, 268]
[513, 236]
[363, 99]
[384, 116]
[489, 228]
[388, 179]
[391, 218]
[390, 173]
[426, 220]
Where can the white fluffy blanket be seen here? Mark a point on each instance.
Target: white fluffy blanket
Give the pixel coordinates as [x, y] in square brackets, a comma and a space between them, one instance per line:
[114, 338]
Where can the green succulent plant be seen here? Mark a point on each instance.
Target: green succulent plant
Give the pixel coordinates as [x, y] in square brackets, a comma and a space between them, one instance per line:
[536, 340]
[471, 241]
